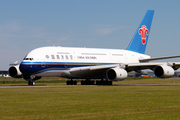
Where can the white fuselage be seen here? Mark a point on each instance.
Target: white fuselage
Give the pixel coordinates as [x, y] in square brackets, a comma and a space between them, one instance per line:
[57, 61]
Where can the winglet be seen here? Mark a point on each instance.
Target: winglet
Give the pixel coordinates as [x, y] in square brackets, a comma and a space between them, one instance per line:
[140, 39]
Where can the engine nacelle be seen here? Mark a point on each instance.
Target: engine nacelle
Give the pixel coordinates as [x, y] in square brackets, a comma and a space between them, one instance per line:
[15, 72]
[163, 71]
[116, 74]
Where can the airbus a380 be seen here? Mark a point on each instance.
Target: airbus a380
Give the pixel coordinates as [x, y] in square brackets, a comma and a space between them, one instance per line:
[90, 63]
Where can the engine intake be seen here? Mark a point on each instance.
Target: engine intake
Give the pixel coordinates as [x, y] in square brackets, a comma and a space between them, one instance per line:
[163, 71]
[15, 72]
[116, 74]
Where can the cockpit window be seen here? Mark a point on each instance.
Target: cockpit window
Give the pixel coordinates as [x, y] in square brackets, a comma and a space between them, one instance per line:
[28, 59]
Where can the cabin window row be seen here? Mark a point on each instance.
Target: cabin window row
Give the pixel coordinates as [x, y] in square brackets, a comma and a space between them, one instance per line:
[62, 57]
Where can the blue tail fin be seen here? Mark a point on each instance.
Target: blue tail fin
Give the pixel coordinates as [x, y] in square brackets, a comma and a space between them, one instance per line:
[140, 39]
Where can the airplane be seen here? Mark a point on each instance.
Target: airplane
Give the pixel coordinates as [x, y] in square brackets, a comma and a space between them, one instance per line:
[94, 63]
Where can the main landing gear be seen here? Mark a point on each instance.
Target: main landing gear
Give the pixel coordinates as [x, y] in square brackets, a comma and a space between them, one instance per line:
[71, 82]
[87, 82]
[90, 82]
[103, 82]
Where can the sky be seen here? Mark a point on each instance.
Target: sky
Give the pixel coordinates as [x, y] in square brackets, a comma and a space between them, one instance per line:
[29, 24]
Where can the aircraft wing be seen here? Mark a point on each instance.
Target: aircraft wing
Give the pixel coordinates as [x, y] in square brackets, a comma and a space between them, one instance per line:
[158, 58]
[91, 70]
[149, 65]
[99, 69]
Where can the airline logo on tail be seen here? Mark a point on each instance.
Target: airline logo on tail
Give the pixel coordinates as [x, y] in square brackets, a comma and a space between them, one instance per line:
[143, 31]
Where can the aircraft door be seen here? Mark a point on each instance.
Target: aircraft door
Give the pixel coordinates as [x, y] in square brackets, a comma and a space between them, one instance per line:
[66, 61]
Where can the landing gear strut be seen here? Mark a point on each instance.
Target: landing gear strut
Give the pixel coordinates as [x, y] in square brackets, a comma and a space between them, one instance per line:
[31, 82]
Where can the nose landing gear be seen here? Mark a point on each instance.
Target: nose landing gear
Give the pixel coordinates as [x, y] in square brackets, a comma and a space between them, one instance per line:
[31, 82]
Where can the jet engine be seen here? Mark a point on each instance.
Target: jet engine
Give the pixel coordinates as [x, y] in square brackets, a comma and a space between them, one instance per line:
[15, 72]
[163, 71]
[116, 74]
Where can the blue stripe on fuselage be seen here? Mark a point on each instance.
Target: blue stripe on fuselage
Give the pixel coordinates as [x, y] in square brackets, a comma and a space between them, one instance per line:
[39, 67]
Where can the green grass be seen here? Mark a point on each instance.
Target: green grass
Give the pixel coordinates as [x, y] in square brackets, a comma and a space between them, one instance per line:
[20, 81]
[55, 81]
[91, 102]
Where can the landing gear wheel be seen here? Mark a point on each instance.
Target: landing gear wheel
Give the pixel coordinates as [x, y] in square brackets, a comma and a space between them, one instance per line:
[67, 82]
[31, 82]
[103, 82]
[71, 82]
[87, 82]
[75, 82]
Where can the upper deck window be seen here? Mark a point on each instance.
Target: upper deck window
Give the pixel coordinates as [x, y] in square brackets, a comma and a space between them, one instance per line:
[63, 53]
[93, 54]
[117, 54]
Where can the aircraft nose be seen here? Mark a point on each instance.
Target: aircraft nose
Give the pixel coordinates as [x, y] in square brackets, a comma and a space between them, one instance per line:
[25, 68]
[22, 68]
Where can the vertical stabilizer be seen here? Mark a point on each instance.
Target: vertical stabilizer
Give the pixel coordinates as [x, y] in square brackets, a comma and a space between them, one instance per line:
[140, 39]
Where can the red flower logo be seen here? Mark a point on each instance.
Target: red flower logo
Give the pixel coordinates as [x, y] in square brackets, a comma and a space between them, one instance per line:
[143, 31]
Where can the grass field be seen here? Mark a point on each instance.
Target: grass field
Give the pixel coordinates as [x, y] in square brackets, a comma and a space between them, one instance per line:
[56, 81]
[92, 102]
